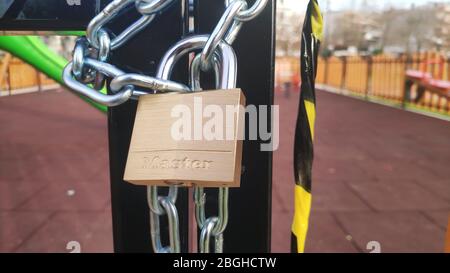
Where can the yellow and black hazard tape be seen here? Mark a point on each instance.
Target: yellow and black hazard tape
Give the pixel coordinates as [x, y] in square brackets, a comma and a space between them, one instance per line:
[304, 132]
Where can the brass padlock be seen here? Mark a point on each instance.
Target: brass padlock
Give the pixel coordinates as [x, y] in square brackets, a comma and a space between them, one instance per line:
[189, 138]
[167, 149]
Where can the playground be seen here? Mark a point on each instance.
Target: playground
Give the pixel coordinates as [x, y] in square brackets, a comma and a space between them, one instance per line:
[55, 184]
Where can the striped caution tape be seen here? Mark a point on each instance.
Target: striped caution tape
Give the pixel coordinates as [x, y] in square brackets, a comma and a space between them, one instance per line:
[304, 132]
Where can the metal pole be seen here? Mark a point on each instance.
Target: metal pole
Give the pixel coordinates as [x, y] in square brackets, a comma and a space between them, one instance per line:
[130, 212]
[368, 87]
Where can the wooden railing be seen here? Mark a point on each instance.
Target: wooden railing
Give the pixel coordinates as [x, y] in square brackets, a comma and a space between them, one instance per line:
[17, 77]
[382, 77]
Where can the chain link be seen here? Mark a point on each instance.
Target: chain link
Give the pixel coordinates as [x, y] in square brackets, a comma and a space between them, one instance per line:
[147, 82]
[108, 100]
[80, 52]
[109, 13]
[212, 226]
[89, 66]
[252, 12]
[222, 28]
[165, 206]
[152, 6]
[229, 25]
[104, 43]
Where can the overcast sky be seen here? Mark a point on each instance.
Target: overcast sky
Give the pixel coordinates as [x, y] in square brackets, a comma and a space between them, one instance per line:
[348, 4]
[380, 4]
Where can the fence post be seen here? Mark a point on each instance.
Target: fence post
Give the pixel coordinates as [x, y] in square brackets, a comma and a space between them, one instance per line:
[369, 77]
[407, 84]
[8, 75]
[38, 80]
[325, 80]
[447, 60]
[4, 69]
[344, 71]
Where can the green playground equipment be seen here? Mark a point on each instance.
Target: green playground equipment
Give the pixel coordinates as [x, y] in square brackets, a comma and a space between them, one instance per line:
[35, 52]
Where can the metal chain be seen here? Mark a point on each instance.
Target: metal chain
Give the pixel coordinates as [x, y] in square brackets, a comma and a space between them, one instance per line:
[160, 205]
[97, 44]
[213, 226]
[109, 13]
[86, 75]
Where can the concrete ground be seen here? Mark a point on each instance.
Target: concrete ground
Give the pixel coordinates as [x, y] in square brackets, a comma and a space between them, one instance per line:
[380, 174]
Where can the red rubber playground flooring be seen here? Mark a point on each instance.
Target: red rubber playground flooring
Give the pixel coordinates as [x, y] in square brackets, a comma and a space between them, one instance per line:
[380, 174]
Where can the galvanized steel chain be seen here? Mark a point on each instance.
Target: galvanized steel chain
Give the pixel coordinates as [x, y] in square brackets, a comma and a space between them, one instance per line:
[86, 75]
[225, 70]
[89, 66]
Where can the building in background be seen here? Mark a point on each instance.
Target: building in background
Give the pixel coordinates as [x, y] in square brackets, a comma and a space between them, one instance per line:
[288, 38]
[288, 29]
[442, 29]
[364, 30]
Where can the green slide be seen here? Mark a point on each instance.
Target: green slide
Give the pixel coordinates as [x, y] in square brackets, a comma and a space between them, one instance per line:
[32, 50]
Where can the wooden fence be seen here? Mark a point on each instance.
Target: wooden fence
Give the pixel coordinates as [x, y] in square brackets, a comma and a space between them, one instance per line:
[17, 77]
[381, 77]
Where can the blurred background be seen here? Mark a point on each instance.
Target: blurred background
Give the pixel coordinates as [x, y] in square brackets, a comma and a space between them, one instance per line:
[380, 174]
[382, 128]
[367, 47]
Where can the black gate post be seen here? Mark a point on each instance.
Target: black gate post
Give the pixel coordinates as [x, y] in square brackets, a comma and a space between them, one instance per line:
[130, 212]
[249, 226]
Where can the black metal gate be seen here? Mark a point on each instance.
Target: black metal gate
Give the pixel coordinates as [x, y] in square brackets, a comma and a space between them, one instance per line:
[249, 224]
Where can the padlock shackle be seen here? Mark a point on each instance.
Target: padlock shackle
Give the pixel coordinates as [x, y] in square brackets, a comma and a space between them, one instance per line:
[225, 54]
